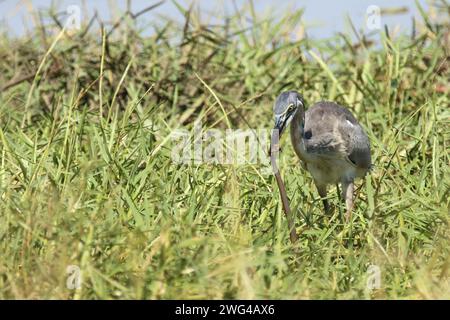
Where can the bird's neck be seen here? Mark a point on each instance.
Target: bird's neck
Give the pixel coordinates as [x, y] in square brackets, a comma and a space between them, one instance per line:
[298, 123]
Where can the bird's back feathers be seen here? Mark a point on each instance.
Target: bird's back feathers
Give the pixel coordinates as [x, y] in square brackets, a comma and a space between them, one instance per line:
[332, 131]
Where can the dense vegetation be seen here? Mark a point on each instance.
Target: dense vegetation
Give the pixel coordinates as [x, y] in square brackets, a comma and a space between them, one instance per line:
[87, 176]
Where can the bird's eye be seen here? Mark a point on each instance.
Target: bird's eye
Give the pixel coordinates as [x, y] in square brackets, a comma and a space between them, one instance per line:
[291, 107]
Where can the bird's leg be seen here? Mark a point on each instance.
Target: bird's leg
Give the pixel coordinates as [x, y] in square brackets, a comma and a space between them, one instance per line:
[339, 199]
[322, 189]
[347, 194]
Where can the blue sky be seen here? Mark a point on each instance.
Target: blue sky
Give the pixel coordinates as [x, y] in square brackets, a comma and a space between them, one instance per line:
[322, 18]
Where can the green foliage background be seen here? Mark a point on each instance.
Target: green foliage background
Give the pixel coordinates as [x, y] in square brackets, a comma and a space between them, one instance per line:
[87, 179]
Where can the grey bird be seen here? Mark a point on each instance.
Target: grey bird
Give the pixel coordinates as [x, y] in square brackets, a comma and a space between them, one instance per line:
[329, 141]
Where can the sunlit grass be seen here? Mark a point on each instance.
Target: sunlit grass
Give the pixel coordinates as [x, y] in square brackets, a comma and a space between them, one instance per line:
[87, 177]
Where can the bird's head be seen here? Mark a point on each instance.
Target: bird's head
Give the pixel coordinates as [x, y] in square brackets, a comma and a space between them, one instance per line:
[285, 108]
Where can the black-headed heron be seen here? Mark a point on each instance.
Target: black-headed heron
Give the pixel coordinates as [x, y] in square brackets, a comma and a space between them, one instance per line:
[329, 141]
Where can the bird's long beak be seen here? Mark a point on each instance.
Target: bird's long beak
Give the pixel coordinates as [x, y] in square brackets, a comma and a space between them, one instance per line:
[279, 124]
[276, 134]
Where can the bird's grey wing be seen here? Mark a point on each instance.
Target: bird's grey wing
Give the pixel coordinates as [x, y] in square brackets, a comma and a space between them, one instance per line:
[321, 135]
[357, 145]
[332, 131]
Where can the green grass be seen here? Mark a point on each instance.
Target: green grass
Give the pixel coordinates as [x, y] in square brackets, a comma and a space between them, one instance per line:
[87, 178]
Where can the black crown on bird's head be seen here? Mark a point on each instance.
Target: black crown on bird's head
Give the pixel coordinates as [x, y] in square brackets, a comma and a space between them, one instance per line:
[286, 106]
[286, 99]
